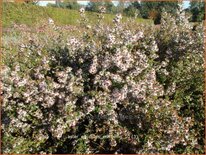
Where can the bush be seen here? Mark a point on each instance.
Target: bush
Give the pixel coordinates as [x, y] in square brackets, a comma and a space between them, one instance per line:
[111, 90]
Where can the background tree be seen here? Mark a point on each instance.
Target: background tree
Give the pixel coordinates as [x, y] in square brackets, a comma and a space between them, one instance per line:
[70, 4]
[121, 6]
[66, 4]
[197, 10]
[154, 9]
[132, 9]
[110, 7]
[94, 6]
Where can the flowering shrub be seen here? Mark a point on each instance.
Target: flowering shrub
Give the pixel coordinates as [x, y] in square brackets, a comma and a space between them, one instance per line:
[111, 90]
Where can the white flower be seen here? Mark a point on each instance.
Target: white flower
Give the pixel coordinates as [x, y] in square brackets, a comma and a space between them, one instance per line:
[51, 21]
[149, 144]
[113, 143]
[111, 39]
[59, 132]
[118, 18]
[82, 10]
[93, 67]
[102, 9]
[88, 26]
[73, 42]
[22, 114]
[22, 83]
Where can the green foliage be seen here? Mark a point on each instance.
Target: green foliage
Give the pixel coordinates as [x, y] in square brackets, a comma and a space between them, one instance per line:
[154, 9]
[94, 6]
[198, 11]
[121, 6]
[131, 11]
[110, 8]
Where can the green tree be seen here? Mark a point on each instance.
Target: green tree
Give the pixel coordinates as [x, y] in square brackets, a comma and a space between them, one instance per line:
[136, 5]
[71, 4]
[121, 6]
[67, 4]
[110, 7]
[197, 10]
[94, 6]
[154, 9]
[132, 9]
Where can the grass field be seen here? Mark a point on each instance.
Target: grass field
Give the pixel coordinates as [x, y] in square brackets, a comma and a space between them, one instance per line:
[30, 14]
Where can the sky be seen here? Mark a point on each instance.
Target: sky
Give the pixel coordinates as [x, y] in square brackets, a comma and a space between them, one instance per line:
[44, 3]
